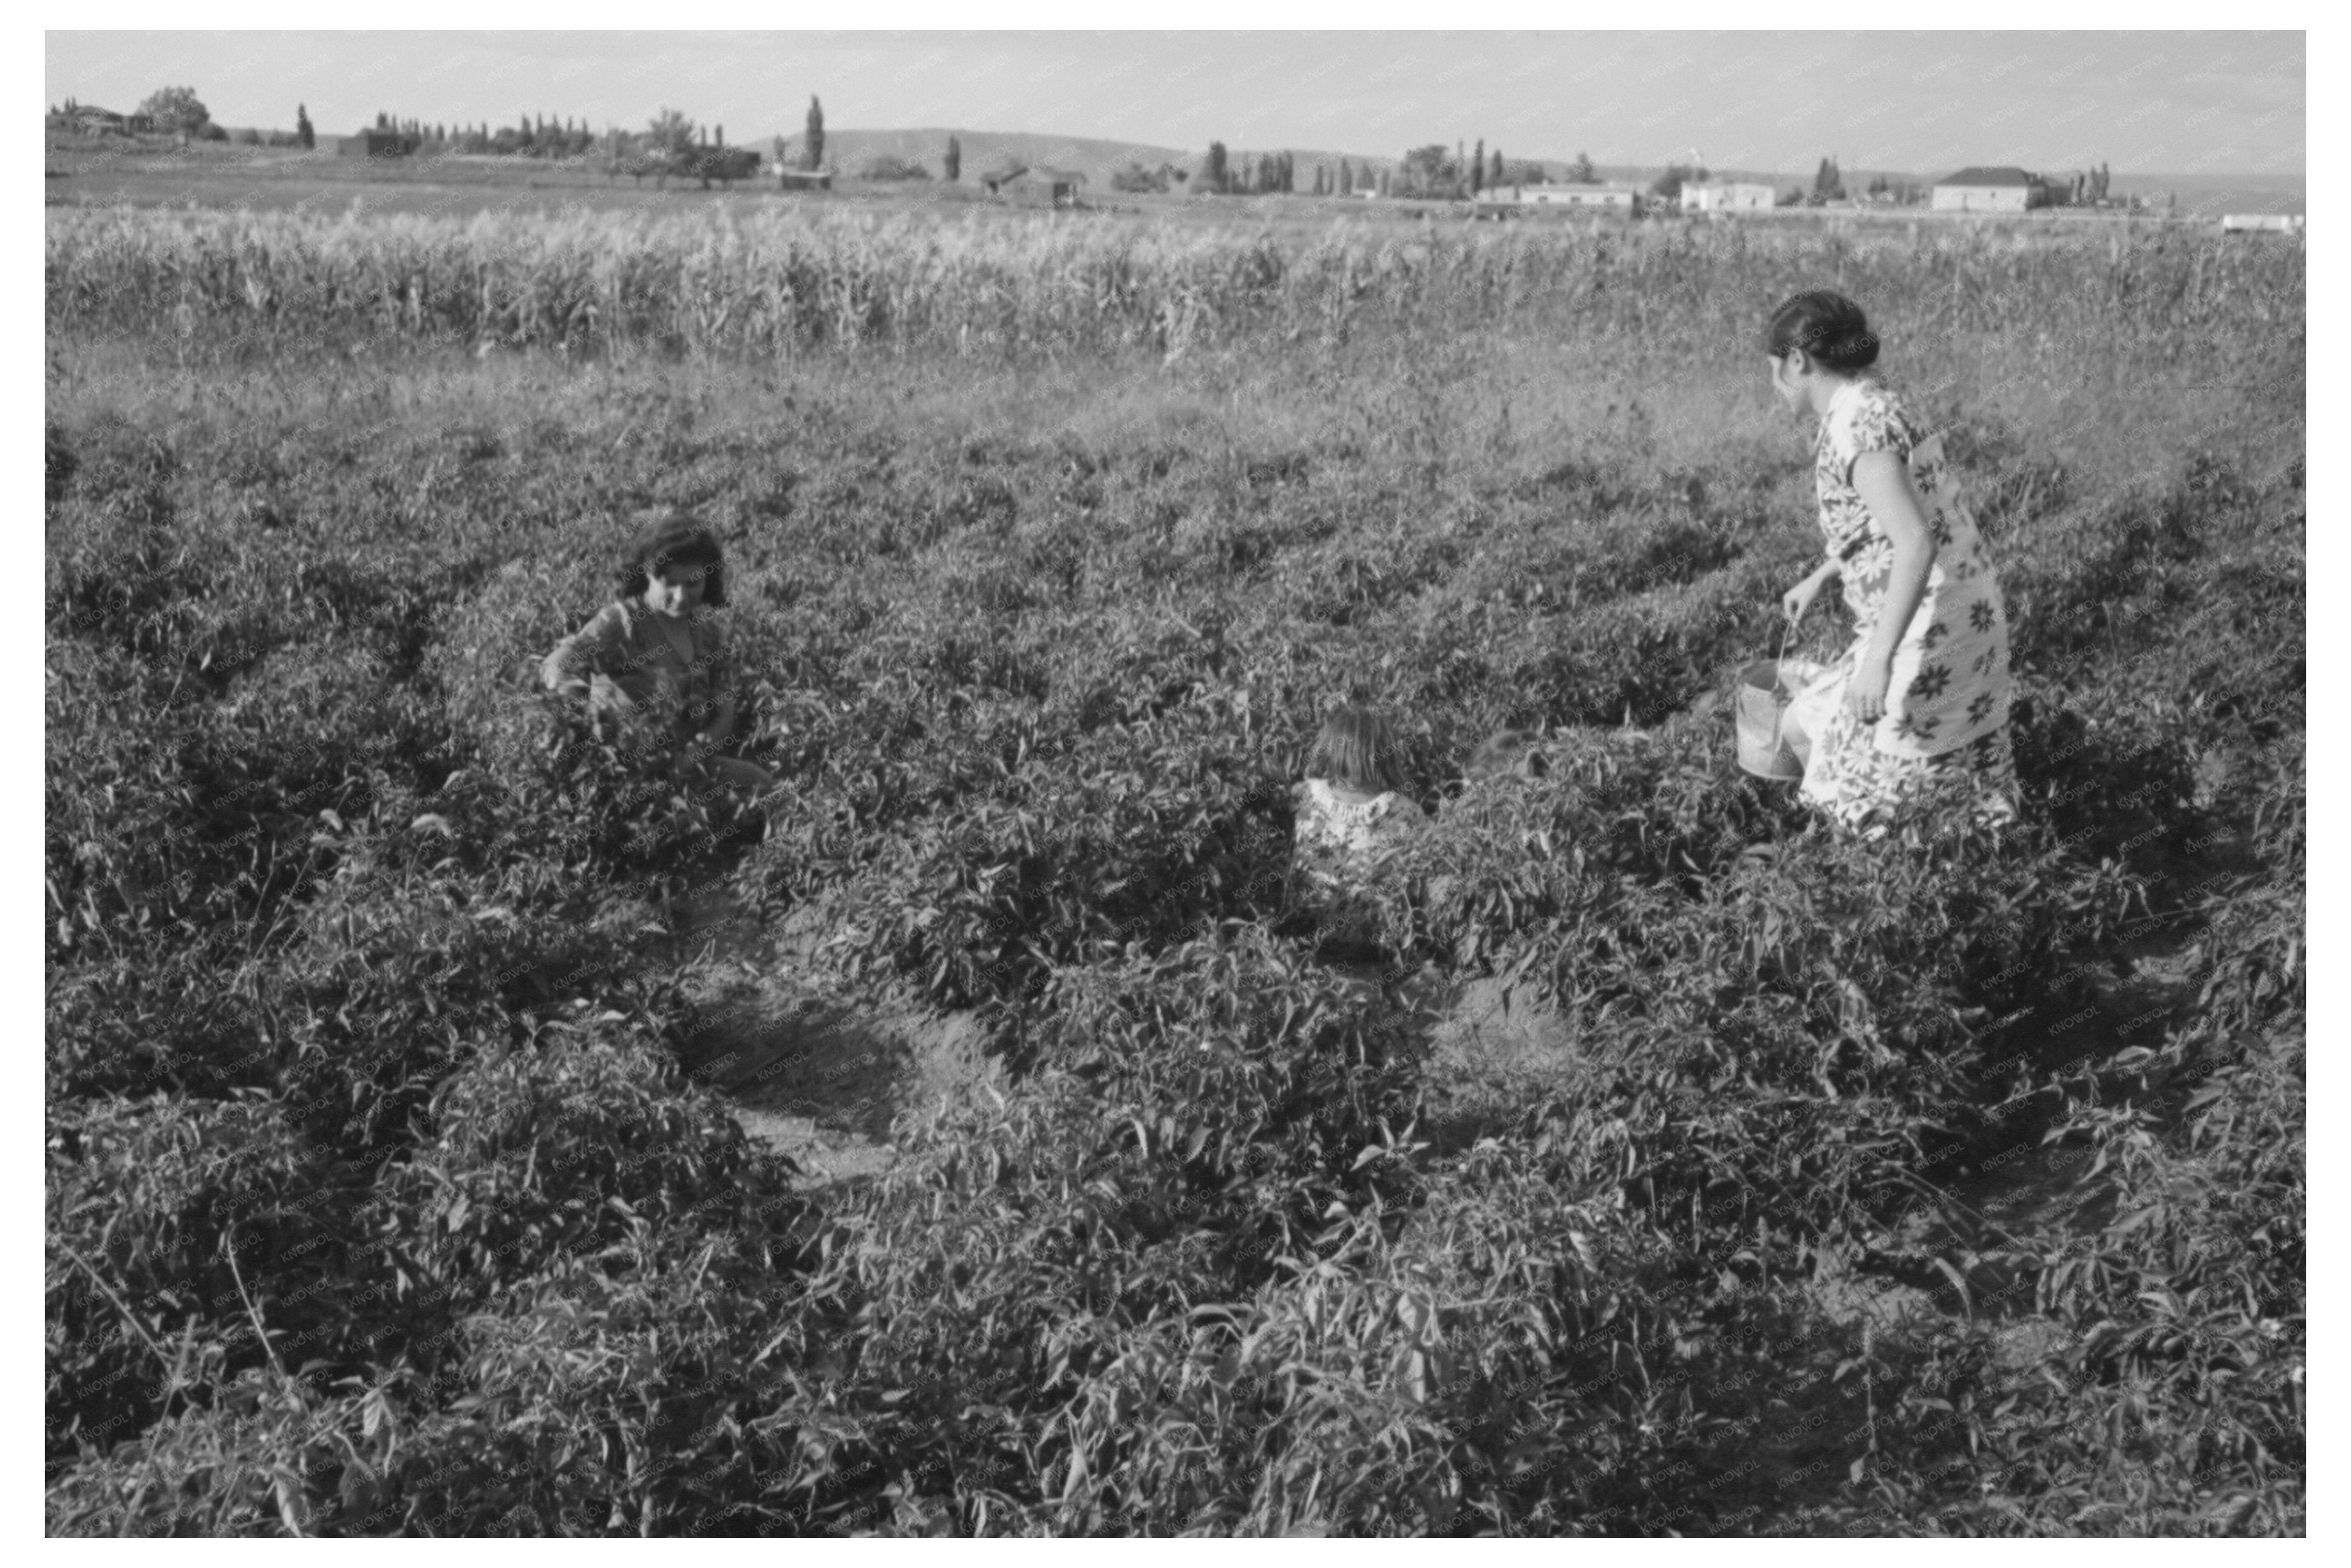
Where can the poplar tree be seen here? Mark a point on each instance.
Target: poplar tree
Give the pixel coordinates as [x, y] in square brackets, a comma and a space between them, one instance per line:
[814, 155]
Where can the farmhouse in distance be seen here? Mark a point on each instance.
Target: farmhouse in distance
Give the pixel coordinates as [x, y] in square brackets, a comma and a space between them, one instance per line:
[1035, 185]
[1983, 190]
[1727, 196]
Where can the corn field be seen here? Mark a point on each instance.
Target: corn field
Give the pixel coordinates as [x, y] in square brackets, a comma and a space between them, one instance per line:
[778, 283]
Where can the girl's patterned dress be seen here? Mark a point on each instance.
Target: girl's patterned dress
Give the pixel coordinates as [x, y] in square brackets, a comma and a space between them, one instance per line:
[1943, 743]
[1338, 846]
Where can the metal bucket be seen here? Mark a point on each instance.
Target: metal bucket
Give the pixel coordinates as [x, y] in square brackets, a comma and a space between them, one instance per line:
[1765, 747]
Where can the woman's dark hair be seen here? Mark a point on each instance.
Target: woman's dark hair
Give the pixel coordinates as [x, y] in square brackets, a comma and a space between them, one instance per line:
[1826, 325]
[675, 538]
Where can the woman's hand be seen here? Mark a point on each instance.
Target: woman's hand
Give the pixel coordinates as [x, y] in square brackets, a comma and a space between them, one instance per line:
[1799, 599]
[1864, 693]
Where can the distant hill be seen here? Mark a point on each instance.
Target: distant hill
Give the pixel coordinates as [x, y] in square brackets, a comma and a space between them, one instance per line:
[2216, 195]
[985, 151]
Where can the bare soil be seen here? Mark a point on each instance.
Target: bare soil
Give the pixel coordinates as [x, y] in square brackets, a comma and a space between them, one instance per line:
[816, 1075]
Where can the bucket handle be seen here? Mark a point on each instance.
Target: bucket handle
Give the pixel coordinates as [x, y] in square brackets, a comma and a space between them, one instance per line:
[1780, 680]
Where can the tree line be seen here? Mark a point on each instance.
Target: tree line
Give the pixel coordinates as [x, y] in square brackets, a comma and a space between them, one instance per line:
[669, 133]
[1437, 173]
[1433, 171]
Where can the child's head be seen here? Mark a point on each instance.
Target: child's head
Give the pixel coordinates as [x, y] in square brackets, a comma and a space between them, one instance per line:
[1358, 748]
[1507, 754]
[675, 545]
[1827, 326]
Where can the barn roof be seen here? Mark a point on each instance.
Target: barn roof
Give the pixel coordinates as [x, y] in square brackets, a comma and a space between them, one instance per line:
[2002, 176]
[1033, 171]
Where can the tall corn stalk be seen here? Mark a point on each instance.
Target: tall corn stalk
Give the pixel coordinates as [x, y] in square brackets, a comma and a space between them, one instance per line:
[781, 281]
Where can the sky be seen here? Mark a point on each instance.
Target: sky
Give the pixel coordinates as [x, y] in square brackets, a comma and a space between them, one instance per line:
[1926, 103]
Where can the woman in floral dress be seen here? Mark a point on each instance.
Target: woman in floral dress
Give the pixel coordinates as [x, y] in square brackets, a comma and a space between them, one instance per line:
[1914, 716]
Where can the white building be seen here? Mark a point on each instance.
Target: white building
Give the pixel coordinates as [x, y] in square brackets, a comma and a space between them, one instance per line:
[1987, 191]
[1727, 196]
[1620, 198]
[2255, 223]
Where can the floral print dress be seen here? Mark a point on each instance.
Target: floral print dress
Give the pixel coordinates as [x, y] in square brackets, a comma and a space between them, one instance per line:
[1943, 743]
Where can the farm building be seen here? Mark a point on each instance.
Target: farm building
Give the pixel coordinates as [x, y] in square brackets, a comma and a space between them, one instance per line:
[1035, 186]
[372, 143]
[1990, 190]
[802, 179]
[1727, 196]
[1618, 198]
[2259, 222]
[94, 121]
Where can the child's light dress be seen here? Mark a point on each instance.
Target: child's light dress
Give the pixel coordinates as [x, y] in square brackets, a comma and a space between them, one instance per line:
[1338, 846]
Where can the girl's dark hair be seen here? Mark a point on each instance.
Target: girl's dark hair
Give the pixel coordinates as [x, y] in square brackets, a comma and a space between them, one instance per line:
[1826, 325]
[675, 538]
[1358, 748]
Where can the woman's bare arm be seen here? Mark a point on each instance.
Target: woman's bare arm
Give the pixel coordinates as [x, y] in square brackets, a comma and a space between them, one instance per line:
[1885, 484]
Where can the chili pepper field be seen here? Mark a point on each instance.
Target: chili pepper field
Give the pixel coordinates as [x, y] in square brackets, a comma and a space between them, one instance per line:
[406, 1172]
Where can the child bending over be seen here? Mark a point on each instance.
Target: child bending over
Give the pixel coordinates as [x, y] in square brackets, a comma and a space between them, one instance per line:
[1352, 809]
[653, 662]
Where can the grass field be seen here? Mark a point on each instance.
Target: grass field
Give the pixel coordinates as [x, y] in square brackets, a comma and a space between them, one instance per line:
[400, 1042]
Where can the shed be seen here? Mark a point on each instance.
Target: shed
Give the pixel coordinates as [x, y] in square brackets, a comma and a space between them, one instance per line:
[804, 179]
[2260, 223]
[1035, 186]
[1988, 190]
[374, 143]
